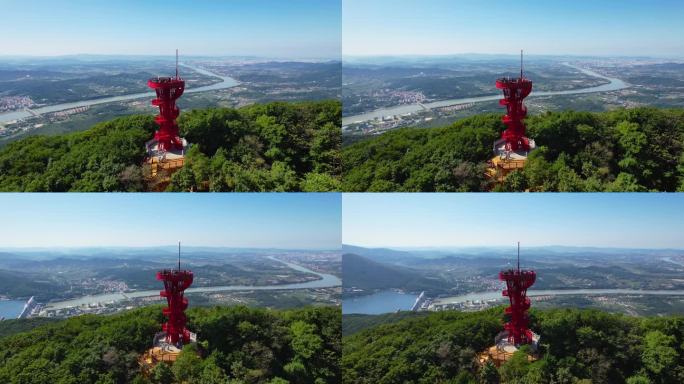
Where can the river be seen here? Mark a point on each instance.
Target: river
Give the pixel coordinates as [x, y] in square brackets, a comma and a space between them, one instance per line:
[614, 85]
[227, 82]
[380, 302]
[11, 309]
[390, 301]
[325, 281]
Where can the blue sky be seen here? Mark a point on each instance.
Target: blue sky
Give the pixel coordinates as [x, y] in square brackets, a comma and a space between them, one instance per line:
[538, 219]
[267, 28]
[257, 220]
[579, 27]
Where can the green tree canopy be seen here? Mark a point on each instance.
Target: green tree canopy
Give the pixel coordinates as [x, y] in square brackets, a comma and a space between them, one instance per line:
[577, 346]
[639, 149]
[263, 147]
[237, 345]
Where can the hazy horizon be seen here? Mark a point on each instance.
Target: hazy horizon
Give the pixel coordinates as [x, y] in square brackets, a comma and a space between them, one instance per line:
[508, 54]
[169, 56]
[512, 247]
[171, 247]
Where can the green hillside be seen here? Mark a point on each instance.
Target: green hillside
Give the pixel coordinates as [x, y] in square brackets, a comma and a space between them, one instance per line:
[640, 149]
[263, 147]
[239, 345]
[355, 322]
[12, 326]
[578, 346]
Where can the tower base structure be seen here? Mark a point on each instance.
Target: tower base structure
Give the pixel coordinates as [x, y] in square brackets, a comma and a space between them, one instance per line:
[161, 351]
[503, 349]
[506, 160]
[163, 163]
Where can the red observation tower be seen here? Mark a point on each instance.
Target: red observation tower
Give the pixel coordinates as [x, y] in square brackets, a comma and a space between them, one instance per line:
[515, 91]
[168, 89]
[168, 344]
[516, 332]
[176, 281]
[511, 150]
[517, 283]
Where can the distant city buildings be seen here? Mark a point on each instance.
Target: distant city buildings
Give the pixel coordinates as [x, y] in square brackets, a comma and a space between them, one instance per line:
[382, 124]
[13, 103]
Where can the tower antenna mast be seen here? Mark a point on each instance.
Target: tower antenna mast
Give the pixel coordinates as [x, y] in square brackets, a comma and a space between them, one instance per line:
[177, 63]
[179, 256]
[521, 64]
[518, 256]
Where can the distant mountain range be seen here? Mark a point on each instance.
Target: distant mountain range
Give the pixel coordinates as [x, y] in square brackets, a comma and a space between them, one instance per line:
[385, 255]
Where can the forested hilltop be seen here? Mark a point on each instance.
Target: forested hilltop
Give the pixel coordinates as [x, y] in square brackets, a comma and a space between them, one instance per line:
[577, 346]
[640, 149]
[263, 147]
[238, 345]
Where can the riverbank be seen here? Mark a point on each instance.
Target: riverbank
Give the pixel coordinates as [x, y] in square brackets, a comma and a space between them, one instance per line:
[391, 301]
[493, 295]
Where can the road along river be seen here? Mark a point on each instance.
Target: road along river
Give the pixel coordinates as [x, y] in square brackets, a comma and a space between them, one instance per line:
[226, 82]
[325, 281]
[492, 295]
[614, 85]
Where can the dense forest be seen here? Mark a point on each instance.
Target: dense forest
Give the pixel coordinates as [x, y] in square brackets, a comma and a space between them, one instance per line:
[263, 147]
[577, 346]
[639, 149]
[12, 326]
[236, 345]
